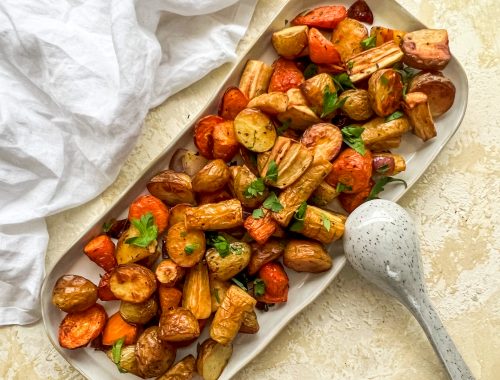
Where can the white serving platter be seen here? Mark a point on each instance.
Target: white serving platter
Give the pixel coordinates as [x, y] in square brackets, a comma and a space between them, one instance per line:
[304, 288]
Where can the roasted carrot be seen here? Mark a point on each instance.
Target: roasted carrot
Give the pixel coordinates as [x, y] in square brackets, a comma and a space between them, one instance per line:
[147, 203]
[103, 291]
[322, 17]
[203, 134]
[351, 171]
[78, 329]
[261, 229]
[225, 143]
[321, 50]
[101, 250]
[286, 75]
[233, 101]
[169, 297]
[276, 283]
[350, 201]
[117, 328]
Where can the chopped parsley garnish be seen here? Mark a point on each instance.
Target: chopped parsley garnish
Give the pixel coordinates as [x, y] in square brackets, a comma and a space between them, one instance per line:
[258, 213]
[343, 81]
[369, 43]
[236, 248]
[259, 287]
[190, 248]
[384, 80]
[216, 294]
[272, 171]
[272, 203]
[310, 71]
[352, 137]
[326, 222]
[107, 226]
[299, 217]
[341, 187]
[220, 243]
[379, 186]
[350, 65]
[148, 231]
[116, 353]
[393, 116]
[331, 102]
[239, 283]
[284, 126]
[256, 188]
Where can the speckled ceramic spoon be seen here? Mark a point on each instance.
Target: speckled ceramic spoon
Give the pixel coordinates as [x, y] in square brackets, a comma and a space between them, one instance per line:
[381, 243]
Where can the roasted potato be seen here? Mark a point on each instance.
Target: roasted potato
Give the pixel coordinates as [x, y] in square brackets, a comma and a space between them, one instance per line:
[169, 273]
[347, 37]
[299, 117]
[417, 109]
[153, 355]
[323, 194]
[324, 140]
[357, 104]
[196, 293]
[388, 164]
[212, 177]
[384, 145]
[79, 328]
[172, 187]
[182, 370]
[385, 90]
[218, 289]
[212, 359]
[223, 268]
[255, 78]
[286, 75]
[117, 328]
[169, 297]
[73, 293]
[242, 178]
[178, 214]
[254, 130]
[272, 103]
[261, 229]
[264, 253]
[440, 91]
[314, 90]
[225, 143]
[383, 35]
[290, 42]
[426, 49]
[215, 216]
[103, 291]
[232, 103]
[229, 316]
[249, 159]
[131, 253]
[101, 250]
[322, 225]
[178, 325]
[306, 256]
[250, 323]
[378, 130]
[215, 197]
[204, 134]
[301, 190]
[296, 98]
[352, 170]
[185, 246]
[127, 360]
[189, 162]
[139, 313]
[133, 283]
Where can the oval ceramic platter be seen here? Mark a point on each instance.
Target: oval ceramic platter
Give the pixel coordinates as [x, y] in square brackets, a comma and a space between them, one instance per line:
[304, 288]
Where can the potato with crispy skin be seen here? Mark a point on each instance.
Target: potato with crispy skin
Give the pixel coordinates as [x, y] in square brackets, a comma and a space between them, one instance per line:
[172, 187]
[129, 252]
[127, 360]
[212, 177]
[73, 293]
[232, 103]
[347, 37]
[306, 256]
[254, 130]
[385, 90]
[264, 253]
[286, 75]
[324, 140]
[185, 246]
[132, 283]
[352, 170]
[357, 104]
[272, 103]
[224, 268]
[255, 78]
[178, 325]
[242, 178]
[321, 225]
[440, 91]
[417, 109]
[426, 49]
[215, 216]
[290, 42]
[299, 117]
[78, 329]
[296, 98]
[169, 273]
[212, 359]
[139, 313]
[250, 323]
[154, 356]
[182, 370]
[323, 195]
[196, 293]
[314, 90]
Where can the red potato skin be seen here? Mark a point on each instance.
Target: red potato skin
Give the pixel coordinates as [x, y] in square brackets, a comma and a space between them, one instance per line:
[326, 17]
[321, 50]
[350, 202]
[286, 75]
[232, 103]
[101, 250]
[203, 134]
[352, 169]
[148, 203]
[276, 282]
[103, 291]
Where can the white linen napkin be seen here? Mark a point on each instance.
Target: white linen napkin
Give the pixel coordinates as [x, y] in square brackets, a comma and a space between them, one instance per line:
[76, 81]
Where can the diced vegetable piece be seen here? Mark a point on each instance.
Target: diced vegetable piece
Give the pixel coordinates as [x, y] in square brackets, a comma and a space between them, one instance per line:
[178, 325]
[386, 91]
[271, 103]
[212, 359]
[139, 313]
[246, 187]
[103, 290]
[350, 201]
[286, 75]
[357, 104]
[326, 17]
[383, 35]
[225, 267]
[254, 130]
[132, 283]
[290, 42]
[388, 164]
[296, 97]
[426, 49]
[352, 170]
[196, 293]
[321, 50]
[276, 283]
[117, 328]
[215, 216]
[203, 134]
[323, 194]
[440, 91]
[169, 297]
[417, 109]
[73, 293]
[264, 253]
[172, 187]
[306, 256]
[185, 247]
[314, 90]
[101, 250]
[324, 140]
[169, 273]
[149, 204]
[322, 225]
[212, 177]
[299, 117]
[153, 355]
[182, 370]
[232, 103]
[250, 323]
[347, 37]
[377, 130]
[255, 78]
[225, 143]
[261, 229]
[78, 329]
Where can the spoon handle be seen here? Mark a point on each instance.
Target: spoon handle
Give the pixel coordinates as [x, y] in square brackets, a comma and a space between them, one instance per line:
[444, 347]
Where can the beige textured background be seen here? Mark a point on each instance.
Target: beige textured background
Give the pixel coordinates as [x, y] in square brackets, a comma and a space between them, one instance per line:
[353, 331]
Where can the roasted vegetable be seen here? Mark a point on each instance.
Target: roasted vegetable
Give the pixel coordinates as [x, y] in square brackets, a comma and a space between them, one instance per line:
[417, 109]
[187, 161]
[212, 359]
[286, 75]
[385, 145]
[306, 256]
[78, 329]
[169, 273]
[321, 225]
[296, 97]
[327, 17]
[250, 191]
[440, 91]
[314, 90]
[378, 130]
[153, 355]
[215, 216]
[301, 190]
[388, 164]
[185, 246]
[145, 204]
[101, 250]
[218, 289]
[172, 187]
[117, 328]
[196, 292]
[169, 297]
[139, 313]
[264, 253]
[321, 50]
[324, 140]
[178, 325]
[323, 194]
[132, 283]
[225, 143]
[383, 35]
[261, 228]
[215, 197]
[224, 266]
[229, 316]
[364, 64]
[73, 293]
[103, 290]
[299, 117]
[385, 89]
[357, 104]
[204, 134]
[360, 11]
[255, 78]
[254, 130]
[426, 49]
[347, 37]
[271, 103]
[127, 360]
[232, 103]
[290, 42]
[352, 170]
[212, 177]
[276, 283]
[350, 201]
[250, 323]
[182, 370]
[131, 253]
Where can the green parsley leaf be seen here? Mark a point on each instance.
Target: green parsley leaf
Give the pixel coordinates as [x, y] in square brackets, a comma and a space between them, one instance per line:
[395, 115]
[259, 287]
[326, 222]
[341, 187]
[350, 65]
[116, 353]
[255, 188]
[272, 171]
[284, 126]
[107, 226]
[310, 71]
[352, 137]
[239, 283]
[383, 169]
[148, 231]
[220, 243]
[343, 81]
[369, 43]
[299, 216]
[216, 294]
[379, 186]
[258, 213]
[331, 102]
[272, 203]
[189, 249]
[236, 248]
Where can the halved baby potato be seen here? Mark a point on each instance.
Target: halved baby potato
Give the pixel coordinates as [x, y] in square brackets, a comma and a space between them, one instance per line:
[132, 282]
[314, 90]
[131, 253]
[271, 103]
[385, 89]
[178, 325]
[139, 313]
[357, 104]
[73, 293]
[254, 130]
[153, 355]
[299, 117]
[224, 268]
[324, 140]
[290, 42]
[172, 187]
[306, 256]
[212, 359]
[212, 177]
[185, 246]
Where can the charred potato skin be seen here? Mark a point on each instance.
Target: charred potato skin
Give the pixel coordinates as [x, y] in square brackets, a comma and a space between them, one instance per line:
[215, 216]
[264, 253]
[306, 256]
[314, 89]
[132, 282]
[154, 356]
[212, 359]
[212, 177]
[347, 37]
[139, 313]
[439, 89]
[172, 187]
[357, 105]
[73, 293]
[223, 268]
[178, 325]
[182, 370]
[385, 90]
[426, 49]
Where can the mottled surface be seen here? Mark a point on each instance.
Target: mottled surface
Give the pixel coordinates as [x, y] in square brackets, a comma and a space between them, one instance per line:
[353, 331]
